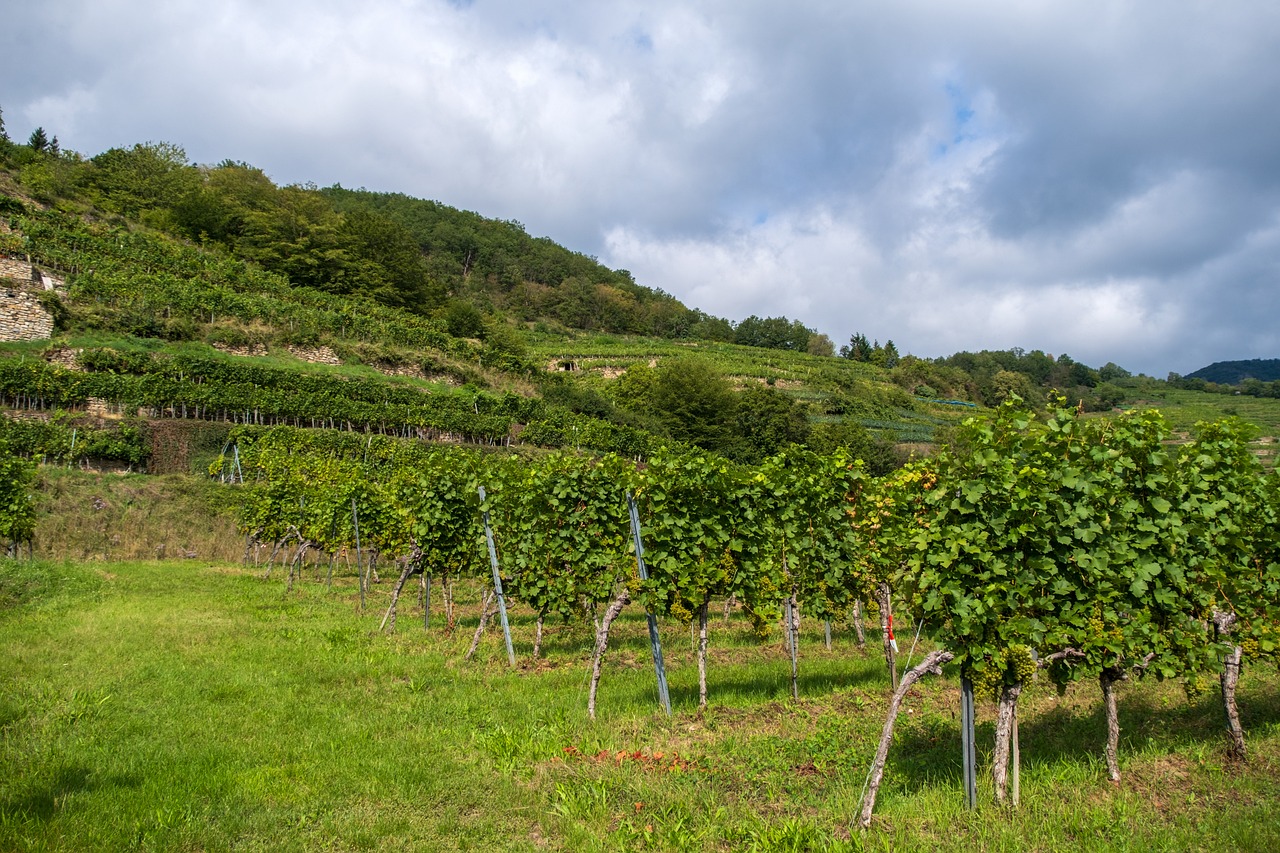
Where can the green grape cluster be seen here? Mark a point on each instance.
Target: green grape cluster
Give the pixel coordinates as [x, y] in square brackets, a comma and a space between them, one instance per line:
[986, 684]
[1250, 649]
[1195, 686]
[1013, 665]
[679, 611]
[1020, 664]
[987, 681]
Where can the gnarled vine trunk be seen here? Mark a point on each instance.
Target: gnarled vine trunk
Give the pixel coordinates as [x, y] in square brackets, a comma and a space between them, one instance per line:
[602, 643]
[1223, 625]
[858, 628]
[1006, 709]
[489, 596]
[884, 598]
[411, 563]
[932, 664]
[1107, 679]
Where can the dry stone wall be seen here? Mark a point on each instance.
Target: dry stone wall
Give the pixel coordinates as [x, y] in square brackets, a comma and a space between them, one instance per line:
[23, 318]
[248, 350]
[16, 269]
[316, 355]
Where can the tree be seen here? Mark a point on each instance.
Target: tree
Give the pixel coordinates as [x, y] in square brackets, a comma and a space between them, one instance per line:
[820, 345]
[695, 403]
[858, 348]
[877, 455]
[765, 422]
[463, 320]
[885, 356]
[1111, 370]
[148, 176]
[38, 141]
[1007, 384]
[712, 328]
[772, 333]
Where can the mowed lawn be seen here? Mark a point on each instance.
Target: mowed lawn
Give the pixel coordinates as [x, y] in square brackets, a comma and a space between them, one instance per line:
[189, 706]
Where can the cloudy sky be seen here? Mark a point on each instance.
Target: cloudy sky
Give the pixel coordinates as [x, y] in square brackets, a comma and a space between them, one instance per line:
[1090, 177]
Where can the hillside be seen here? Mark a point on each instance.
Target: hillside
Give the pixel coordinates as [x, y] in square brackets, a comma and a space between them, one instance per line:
[158, 306]
[1235, 372]
[210, 295]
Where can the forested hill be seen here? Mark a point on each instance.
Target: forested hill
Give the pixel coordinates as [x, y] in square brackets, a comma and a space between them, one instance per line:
[497, 265]
[421, 256]
[1235, 372]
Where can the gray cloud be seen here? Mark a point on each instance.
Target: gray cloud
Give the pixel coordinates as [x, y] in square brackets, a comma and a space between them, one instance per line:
[1100, 178]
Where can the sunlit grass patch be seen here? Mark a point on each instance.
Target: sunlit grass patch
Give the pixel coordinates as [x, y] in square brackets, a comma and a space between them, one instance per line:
[182, 705]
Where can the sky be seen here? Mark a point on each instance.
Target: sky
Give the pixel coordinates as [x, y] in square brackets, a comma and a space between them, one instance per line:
[1095, 177]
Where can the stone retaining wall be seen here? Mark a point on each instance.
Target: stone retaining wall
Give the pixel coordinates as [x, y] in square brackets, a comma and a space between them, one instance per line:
[248, 350]
[316, 355]
[23, 318]
[16, 269]
[66, 358]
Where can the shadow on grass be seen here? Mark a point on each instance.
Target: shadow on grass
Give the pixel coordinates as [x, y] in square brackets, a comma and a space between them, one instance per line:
[765, 686]
[41, 801]
[930, 749]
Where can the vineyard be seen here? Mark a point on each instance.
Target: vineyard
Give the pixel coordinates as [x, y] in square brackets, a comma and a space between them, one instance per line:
[1038, 550]
[1070, 547]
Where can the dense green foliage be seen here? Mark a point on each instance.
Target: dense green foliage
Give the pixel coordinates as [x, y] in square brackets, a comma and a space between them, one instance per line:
[17, 510]
[65, 440]
[1028, 534]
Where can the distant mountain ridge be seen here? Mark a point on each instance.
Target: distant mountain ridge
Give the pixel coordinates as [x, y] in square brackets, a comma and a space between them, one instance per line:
[1235, 372]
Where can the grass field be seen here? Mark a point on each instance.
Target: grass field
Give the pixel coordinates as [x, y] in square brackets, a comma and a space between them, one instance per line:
[194, 706]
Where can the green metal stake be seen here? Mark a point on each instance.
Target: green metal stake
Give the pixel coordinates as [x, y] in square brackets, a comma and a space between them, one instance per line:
[659, 667]
[497, 582]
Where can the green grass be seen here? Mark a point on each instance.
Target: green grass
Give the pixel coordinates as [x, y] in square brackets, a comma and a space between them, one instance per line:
[84, 515]
[195, 706]
[1185, 408]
